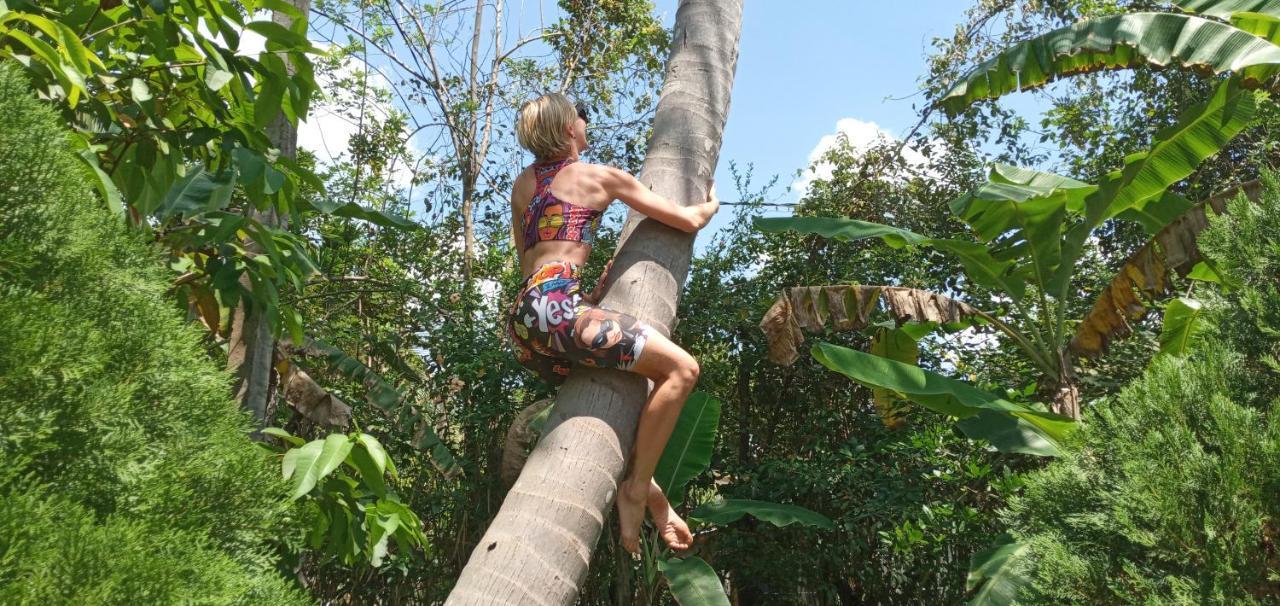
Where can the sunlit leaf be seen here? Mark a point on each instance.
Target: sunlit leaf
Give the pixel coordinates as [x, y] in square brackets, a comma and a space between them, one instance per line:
[995, 573]
[693, 582]
[951, 397]
[314, 461]
[688, 451]
[1181, 323]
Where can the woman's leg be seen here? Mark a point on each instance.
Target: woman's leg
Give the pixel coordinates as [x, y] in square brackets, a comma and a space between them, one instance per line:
[674, 373]
[608, 339]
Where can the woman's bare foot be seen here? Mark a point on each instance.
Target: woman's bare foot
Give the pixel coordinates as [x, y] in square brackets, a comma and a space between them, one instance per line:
[669, 524]
[630, 502]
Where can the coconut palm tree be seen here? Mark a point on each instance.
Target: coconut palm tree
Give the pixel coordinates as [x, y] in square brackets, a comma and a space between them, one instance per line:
[538, 547]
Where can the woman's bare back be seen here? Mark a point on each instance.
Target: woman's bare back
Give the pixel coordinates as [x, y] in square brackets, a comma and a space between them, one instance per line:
[577, 183]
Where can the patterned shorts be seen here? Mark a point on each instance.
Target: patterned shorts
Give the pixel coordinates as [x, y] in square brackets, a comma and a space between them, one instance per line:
[552, 325]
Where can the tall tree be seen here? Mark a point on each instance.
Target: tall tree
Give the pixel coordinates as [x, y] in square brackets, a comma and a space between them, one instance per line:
[538, 547]
[460, 76]
[251, 348]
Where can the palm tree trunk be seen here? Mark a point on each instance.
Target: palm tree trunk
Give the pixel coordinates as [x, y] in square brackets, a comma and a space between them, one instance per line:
[251, 349]
[538, 547]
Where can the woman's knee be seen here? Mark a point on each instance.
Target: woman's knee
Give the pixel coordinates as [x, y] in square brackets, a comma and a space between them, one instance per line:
[686, 369]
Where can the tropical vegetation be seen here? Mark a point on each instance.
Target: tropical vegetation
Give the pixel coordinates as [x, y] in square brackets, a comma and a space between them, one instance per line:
[1044, 360]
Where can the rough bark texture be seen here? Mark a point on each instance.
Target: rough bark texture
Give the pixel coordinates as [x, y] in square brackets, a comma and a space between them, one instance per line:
[251, 348]
[538, 547]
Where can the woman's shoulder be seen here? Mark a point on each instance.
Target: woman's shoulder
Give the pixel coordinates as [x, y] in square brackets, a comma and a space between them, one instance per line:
[523, 182]
[598, 172]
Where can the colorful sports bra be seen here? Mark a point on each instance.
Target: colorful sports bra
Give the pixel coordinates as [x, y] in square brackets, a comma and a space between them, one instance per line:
[550, 218]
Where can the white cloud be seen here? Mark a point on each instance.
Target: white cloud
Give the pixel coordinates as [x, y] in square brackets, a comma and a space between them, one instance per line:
[861, 136]
[326, 133]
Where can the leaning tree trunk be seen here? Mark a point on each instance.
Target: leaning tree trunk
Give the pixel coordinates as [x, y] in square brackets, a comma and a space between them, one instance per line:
[538, 547]
[251, 347]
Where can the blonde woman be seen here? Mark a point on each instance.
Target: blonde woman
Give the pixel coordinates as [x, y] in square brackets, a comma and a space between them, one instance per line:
[556, 204]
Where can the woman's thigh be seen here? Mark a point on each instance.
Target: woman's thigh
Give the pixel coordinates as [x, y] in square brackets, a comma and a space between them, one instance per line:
[609, 339]
[662, 358]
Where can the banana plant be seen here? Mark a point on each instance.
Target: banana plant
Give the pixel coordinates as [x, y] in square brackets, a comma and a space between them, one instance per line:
[694, 582]
[1031, 228]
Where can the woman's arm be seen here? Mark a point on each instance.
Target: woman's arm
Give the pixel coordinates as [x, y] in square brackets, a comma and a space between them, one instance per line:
[621, 185]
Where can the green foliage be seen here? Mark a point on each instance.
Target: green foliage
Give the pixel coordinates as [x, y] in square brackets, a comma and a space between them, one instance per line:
[688, 451]
[129, 476]
[1168, 497]
[1244, 244]
[687, 455]
[693, 582]
[386, 397]
[994, 573]
[157, 94]
[1114, 42]
[1032, 431]
[356, 514]
[175, 123]
[726, 511]
[909, 505]
[1181, 323]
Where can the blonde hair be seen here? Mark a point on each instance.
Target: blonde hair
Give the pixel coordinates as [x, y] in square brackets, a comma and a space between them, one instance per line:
[541, 124]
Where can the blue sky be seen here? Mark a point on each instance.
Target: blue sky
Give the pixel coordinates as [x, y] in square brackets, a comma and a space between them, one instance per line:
[804, 66]
[805, 69]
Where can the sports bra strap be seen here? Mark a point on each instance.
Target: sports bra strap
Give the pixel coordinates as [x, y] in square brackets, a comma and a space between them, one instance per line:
[545, 173]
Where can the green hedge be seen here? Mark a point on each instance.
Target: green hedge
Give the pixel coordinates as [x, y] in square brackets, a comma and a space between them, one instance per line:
[128, 476]
[1170, 499]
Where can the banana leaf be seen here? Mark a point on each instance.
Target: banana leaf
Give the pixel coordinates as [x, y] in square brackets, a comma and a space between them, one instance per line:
[894, 344]
[1181, 324]
[1115, 42]
[951, 397]
[688, 451]
[994, 572]
[727, 511]
[851, 307]
[1225, 9]
[1020, 214]
[693, 582]
[1178, 150]
[977, 261]
[1145, 275]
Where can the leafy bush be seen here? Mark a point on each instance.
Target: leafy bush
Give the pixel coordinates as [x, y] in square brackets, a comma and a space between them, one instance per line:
[1244, 244]
[129, 478]
[1168, 498]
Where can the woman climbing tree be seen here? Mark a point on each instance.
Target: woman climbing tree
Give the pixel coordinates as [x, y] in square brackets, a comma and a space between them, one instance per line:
[552, 324]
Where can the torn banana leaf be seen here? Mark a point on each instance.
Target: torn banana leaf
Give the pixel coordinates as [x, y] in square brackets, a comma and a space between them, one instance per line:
[1144, 277]
[850, 307]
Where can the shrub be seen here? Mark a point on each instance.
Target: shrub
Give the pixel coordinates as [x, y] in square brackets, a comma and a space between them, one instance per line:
[129, 476]
[1244, 244]
[1168, 498]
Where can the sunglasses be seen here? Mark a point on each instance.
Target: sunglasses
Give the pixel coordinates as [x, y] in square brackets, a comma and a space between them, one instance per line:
[583, 112]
